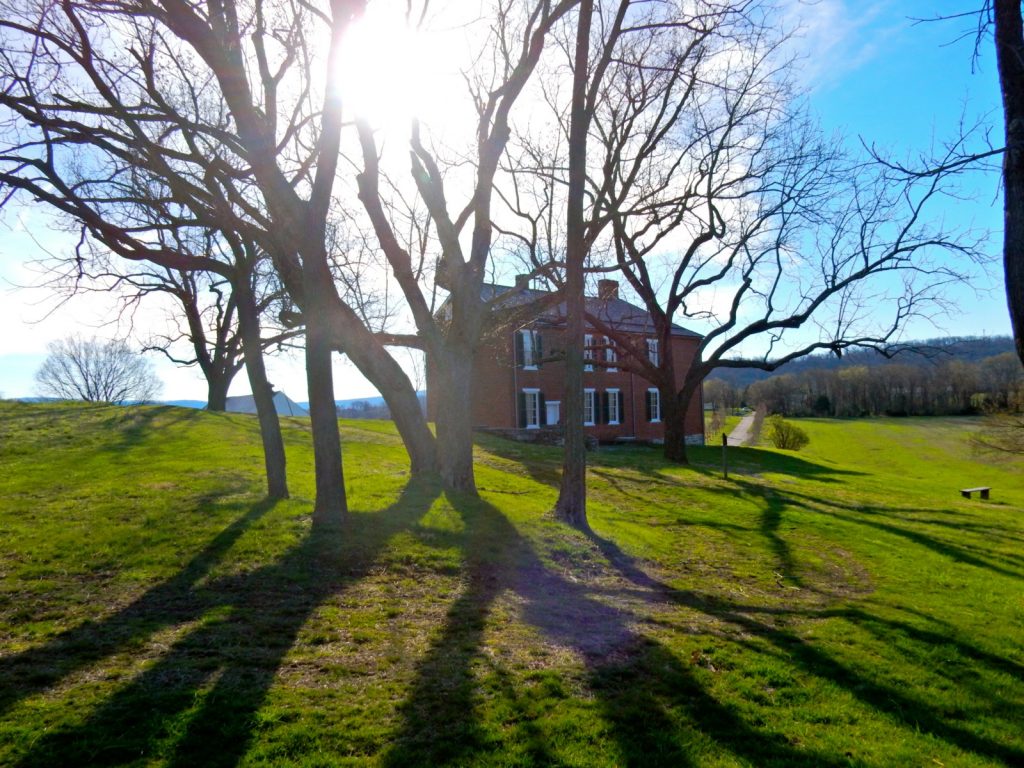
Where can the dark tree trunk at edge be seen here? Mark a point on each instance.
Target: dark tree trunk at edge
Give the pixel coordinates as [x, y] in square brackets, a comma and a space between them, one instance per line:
[263, 395]
[1009, 36]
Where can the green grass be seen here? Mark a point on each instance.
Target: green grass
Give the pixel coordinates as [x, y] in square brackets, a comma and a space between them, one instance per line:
[714, 436]
[837, 606]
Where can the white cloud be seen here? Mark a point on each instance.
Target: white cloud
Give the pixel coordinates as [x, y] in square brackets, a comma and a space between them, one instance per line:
[32, 315]
[833, 38]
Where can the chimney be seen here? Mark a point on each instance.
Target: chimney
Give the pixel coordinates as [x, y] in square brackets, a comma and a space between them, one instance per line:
[523, 281]
[607, 289]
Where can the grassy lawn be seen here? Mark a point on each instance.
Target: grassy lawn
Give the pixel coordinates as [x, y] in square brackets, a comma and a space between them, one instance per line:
[714, 436]
[839, 606]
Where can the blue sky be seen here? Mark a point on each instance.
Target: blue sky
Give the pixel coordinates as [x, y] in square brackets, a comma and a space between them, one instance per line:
[870, 71]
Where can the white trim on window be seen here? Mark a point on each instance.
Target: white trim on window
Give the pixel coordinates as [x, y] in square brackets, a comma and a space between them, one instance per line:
[556, 406]
[655, 405]
[529, 349]
[614, 417]
[589, 404]
[532, 408]
[610, 355]
[652, 351]
[588, 352]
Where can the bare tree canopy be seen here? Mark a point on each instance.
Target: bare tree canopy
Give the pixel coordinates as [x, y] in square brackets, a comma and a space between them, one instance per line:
[229, 117]
[1003, 21]
[96, 371]
[714, 193]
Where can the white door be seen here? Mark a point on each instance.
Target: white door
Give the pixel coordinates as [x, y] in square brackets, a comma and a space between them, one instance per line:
[552, 414]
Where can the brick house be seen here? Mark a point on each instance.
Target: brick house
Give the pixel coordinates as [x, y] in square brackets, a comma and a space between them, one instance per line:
[519, 386]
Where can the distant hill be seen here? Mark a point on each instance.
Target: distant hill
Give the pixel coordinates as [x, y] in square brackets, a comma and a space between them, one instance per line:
[372, 402]
[932, 352]
[185, 403]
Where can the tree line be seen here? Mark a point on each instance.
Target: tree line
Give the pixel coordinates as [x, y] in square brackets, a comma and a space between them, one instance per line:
[938, 388]
[205, 151]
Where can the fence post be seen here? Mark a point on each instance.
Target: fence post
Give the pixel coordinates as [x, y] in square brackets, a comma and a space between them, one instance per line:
[725, 459]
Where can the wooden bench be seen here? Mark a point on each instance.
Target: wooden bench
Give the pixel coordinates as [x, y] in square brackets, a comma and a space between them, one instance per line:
[982, 491]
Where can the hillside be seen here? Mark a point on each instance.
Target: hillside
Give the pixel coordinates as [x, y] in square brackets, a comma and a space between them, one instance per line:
[841, 606]
[932, 352]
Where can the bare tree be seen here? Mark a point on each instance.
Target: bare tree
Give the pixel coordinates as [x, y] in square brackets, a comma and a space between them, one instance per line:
[618, 71]
[516, 39]
[202, 327]
[1003, 20]
[571, 505]
[137, 239]
[239, 117]
[714, 195]
[234, 113]
[209, 328]
[96, 371]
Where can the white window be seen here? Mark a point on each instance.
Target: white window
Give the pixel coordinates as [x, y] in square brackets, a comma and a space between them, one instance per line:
[653, 405]
[553, 408]
[531, 408]
[589, 407]
[531, 350]
[614, 417]
[652, 351]
[610, 355]
[588, 352]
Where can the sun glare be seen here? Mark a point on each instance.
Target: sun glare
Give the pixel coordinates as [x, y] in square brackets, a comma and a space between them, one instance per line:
[393, 72]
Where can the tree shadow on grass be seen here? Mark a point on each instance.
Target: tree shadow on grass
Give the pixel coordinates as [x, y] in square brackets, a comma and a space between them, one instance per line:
[771, 519]
[122, 427]
[707, 461]
[544, 467]
[198, 701]
[173, 601]
[892, 700]
[136, 425]
[885, 519]
[652, 703]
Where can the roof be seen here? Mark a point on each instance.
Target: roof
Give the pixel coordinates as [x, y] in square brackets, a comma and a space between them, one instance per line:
[283, 404]
[618, 313]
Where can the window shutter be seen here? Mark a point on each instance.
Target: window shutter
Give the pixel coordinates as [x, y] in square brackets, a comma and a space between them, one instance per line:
[519, 349]
[538, 348]
[647, 400]
[622, 407]
[542, 409]
[522, 410]
[604, 407]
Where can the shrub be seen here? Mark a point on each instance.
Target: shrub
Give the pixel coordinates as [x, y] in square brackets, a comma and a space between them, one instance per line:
[785, 435]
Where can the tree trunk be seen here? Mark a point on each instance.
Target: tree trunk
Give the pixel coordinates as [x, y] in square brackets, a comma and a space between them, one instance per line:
[673, 417]
[454, 382]
[572, 494]
[1009, 37]
[262, 393]
[217, 383]
[330, 480]
[381, 370]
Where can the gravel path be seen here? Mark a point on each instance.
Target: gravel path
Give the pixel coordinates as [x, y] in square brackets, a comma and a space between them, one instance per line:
[741, 434]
